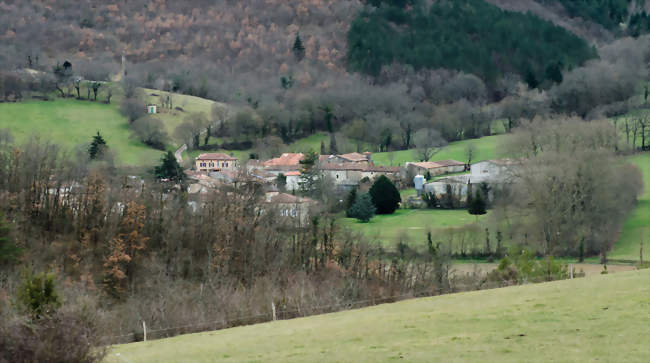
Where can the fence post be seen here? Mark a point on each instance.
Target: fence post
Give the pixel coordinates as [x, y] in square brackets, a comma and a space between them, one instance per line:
[144, 330]
[571, 270]
[273, 308]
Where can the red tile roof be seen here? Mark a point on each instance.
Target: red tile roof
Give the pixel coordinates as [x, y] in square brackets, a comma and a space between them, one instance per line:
[286, 159]
[292, 173]
[354, 157]
[215, 156]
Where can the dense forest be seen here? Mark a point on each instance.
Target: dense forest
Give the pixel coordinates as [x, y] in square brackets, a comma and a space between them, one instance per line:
[469, 35]
[608, 13]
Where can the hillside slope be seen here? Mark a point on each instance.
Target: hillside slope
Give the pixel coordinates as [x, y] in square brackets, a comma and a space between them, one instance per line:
[602, 318]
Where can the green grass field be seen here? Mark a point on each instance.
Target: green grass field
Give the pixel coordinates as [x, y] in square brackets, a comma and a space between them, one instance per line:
[412, 223]
[637, 227]
[602, 318]
[71, 123]
[173, 118]
[486, 148]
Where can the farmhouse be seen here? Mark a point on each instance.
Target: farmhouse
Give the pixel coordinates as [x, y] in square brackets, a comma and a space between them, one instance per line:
[355, 158]
[216, 162]
[492, 172]
[285, 163]
[349, 175]
[435, 168]
[492, 169]
[291, 206]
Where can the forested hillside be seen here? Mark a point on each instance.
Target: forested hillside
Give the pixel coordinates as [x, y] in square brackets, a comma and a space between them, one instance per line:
[468, 35]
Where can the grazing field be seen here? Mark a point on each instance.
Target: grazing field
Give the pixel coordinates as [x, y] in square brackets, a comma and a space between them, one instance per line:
[411, 223]
[601, 318]
[486, 148]
[637, 227]
[72, 123]
[183, 106]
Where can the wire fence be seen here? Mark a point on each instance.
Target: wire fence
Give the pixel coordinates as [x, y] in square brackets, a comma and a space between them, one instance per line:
[295, 313]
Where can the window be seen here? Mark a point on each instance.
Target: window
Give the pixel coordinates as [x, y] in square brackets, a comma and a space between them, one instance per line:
[226, 165]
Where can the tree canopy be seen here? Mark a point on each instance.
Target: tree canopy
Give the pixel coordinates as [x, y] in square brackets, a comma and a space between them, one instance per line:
[385, 195]
[468, 35]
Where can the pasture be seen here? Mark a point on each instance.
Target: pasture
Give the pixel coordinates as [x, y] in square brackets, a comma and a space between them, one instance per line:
[410, 225]
[637, 226]
[600, 318]
[71, 123]
[486, 148]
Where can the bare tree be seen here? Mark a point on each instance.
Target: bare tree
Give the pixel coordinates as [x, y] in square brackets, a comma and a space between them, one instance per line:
[428, 143]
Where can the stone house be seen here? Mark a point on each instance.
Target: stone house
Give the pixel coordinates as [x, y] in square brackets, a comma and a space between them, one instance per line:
[285, 163]
[435, 168]
[294, 208]
[216, 162]
[355, 158]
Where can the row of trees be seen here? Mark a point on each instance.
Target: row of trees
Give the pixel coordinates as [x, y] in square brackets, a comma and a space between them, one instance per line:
[121, 245]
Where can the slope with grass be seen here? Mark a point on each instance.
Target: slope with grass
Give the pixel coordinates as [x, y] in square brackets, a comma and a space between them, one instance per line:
[485, 148]
[72, 123]
[411, 224]
[637, 227]
[602, 318]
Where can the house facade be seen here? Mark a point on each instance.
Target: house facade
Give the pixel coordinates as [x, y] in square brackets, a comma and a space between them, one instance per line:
[216, 162]
[293, 208]
[435, 168]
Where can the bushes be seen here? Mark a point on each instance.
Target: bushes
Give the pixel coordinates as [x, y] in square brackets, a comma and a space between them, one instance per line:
[151, 131]
[362, 209]
[385, 195]
[63, 337]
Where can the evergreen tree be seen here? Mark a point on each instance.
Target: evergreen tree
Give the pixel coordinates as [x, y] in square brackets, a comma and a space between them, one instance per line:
[333, 148]
[385, 195]
[97, 147]
[309, 173]
[477, 205]
[322, 148]
[9, 252]
[363, 209]
[169, 169]
[38, 295]
[350, 200]
[298, 48]
[281, 182]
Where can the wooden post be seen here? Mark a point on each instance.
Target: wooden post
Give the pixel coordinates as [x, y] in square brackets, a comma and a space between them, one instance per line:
[571, 270]
[273, 308]
[144, 330]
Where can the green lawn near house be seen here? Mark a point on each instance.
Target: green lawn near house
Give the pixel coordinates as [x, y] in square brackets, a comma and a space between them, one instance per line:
[637, 227]
[412, 224]
[601, 318]
[71, 123]
[485, 148]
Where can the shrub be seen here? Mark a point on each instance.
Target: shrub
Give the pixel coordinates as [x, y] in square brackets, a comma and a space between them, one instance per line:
[65, 337]
[385, 195]
[38, 296]
[362, 209]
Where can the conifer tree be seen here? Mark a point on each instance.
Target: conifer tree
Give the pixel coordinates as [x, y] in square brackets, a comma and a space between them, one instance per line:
[309, 173]
[333, 148]
[350, 200]
[97, 147]
[322, 148]
[298, 48]
[169, 169]
[477, 205]
[385, 195]
[363, 209]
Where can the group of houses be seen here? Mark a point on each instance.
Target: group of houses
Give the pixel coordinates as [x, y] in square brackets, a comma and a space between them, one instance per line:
[346, 171]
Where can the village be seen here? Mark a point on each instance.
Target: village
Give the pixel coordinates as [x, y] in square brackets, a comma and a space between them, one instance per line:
[281, 178]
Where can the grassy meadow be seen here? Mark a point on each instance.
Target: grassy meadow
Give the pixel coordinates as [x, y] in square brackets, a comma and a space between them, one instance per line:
[486, 148]
[412, 224]
[637, 227]
[72, 123]
[601, 318]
